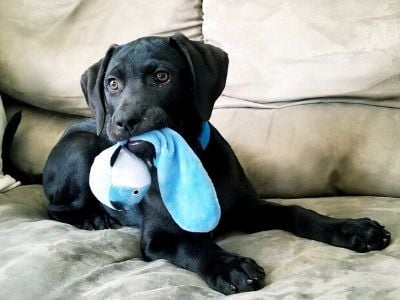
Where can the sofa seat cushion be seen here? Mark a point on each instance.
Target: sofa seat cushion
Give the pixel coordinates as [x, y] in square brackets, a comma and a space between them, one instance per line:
[45, 259]
[47, 45]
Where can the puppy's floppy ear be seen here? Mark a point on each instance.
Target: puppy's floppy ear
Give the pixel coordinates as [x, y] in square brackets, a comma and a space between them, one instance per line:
[92, 86]
[209, 67]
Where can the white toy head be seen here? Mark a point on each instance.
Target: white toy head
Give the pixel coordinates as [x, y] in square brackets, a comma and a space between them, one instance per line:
[118, 178]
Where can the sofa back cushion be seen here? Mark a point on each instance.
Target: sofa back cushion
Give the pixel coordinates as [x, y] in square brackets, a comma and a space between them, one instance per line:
[316, 149]
[47, 45]
[313, 91]
[283, 51]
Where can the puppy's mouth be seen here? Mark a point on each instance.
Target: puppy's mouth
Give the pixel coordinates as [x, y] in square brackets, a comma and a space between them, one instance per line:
[151, 120]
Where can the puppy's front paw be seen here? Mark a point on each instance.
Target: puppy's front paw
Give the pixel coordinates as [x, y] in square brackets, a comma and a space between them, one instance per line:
[361, 235]
[94, 222]
[235, 274]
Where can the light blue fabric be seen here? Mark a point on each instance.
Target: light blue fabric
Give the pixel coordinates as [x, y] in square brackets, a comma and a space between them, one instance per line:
[185, 187]
[123, 194]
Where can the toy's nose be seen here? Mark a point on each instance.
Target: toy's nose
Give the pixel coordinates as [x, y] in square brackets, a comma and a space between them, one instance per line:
[118, 205]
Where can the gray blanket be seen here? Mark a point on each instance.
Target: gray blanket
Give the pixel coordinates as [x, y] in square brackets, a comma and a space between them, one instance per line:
[44, 259]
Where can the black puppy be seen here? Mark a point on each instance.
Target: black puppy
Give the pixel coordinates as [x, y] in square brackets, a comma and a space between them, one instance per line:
[157, 82]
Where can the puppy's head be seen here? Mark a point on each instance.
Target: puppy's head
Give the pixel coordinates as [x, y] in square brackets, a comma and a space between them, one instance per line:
[154, 82]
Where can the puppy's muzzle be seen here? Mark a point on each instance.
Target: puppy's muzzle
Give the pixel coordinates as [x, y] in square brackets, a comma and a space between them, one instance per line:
[124, 125]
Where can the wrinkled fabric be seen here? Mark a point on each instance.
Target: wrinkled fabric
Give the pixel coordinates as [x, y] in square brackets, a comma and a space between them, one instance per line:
[45, 259]
[284, 51]
[316, 149]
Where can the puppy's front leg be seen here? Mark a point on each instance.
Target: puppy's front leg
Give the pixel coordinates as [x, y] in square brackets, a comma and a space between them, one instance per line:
[66, 181]
[225, 272]
[361, 235]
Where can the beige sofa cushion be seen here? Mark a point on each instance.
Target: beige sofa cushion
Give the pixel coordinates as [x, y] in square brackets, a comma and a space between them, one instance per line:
[45, 259]
[303, 150]
[284, 50]
[46, 45]
[36, 136]
[316, 149]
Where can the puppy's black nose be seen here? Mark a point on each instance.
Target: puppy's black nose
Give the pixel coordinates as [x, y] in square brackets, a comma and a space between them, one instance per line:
[120, 124]
[123, 123]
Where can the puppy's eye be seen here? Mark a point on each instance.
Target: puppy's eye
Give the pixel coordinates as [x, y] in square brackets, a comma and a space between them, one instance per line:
[113, 84]
[161, 76]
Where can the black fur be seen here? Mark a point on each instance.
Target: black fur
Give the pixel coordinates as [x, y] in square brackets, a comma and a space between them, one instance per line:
[141, 103]
[8, 165]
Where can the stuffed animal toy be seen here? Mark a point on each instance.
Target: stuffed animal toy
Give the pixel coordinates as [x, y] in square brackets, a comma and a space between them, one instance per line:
[118, 176]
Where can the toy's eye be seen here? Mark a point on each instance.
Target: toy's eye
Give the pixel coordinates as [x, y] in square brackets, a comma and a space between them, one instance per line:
[161, 76]
[135, 192]
[113, 85]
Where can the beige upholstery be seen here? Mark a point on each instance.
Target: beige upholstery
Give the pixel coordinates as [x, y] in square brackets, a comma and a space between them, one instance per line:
[305, 150]
[36, 136]
[47, 45]
[317, 149]
[45, 259]
[285, 50]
